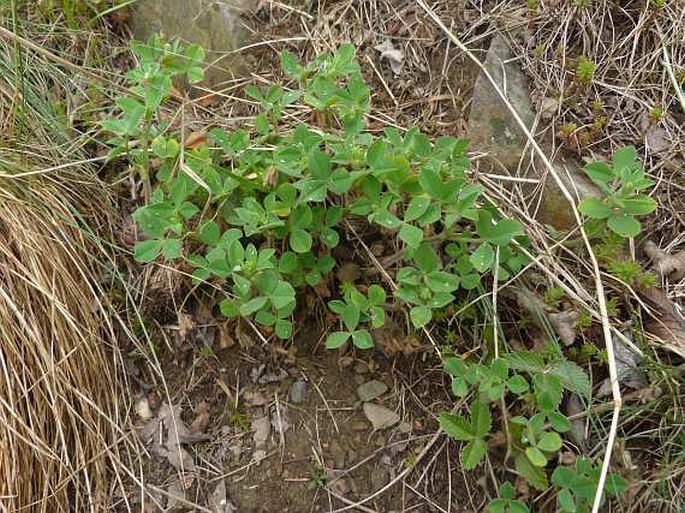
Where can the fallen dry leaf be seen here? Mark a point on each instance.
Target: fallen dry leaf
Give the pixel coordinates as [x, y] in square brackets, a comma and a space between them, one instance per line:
[627, 368]
[394, 56]
[254, 398]
[657, 139]
[201, 420]
[668, 266]
[195, 140]
[225, 335]
[666, 323]
[564, 323]
[143, 409]
[185, 325]
[218, 502]
[548, 107]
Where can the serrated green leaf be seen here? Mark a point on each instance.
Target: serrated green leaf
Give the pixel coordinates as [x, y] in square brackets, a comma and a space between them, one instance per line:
[171, 248]
[599, 172]
[563, 477]
[459, 387]
[536, 457]
[362, 339]
[526, 361]
[411, 235]
[250, 307]
[505, 230]
[337, 339]
[534, 475]
[386, 220]
[566, 502]
[473, 453]
[165, 147]
[300, 241]
[550, 442]
[625, 226]
[261, 123]
[481, 419]
[147, 250]
[559, 422]
[416, 208]
[210, 233]
[376, 294]
[426, 258]
[455, 426]
[594, 208]
[229, 308]
[625, 157]
[572, 377]
[283, 329]
[420, 316]
[518, 384]
[431, 183]
[483, 257]
[350, 317]
[290, 66]
[454, 366]
[440, 281]
[548, 391]
[282, 296]
[639, 206]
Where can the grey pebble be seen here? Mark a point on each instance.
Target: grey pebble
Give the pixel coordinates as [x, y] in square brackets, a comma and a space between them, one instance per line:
[298, 391]
[371, 390]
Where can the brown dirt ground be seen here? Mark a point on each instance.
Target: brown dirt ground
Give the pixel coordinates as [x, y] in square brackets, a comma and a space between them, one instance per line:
[327, 439]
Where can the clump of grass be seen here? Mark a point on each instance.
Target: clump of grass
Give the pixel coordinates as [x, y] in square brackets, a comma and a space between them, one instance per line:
[59, 391]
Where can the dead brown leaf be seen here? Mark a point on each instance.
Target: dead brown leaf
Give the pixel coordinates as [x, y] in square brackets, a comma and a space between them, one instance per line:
[185, 325]
[225, 335]
[668, 266]
[563, 323]
[201, 420]
[666, 323]
[195, 140]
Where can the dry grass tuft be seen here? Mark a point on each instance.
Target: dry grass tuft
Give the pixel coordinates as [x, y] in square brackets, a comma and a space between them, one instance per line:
[59, 389]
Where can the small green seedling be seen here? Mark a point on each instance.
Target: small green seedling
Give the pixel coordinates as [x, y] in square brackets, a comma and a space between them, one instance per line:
[578, 486]
[507, 502]
[472, 431]
[621, 185]
[355, 309]
[151, 84]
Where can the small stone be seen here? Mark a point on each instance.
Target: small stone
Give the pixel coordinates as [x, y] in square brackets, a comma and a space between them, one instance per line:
[298, 391]
[361, 368]
[371, 390]
[359, 379]
[261, 427]
[380, 416]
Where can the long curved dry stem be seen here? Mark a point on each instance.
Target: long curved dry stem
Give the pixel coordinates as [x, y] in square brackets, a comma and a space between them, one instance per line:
[599, 288]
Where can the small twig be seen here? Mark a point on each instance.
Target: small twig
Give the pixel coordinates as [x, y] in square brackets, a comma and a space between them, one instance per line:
[380, 77]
